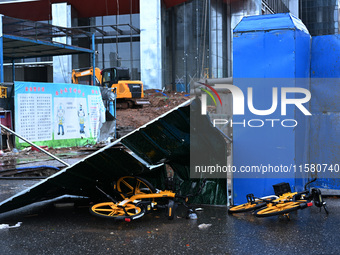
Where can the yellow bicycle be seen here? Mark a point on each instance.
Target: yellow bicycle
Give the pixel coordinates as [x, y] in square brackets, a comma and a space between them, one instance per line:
[139, 197]
[283, 202]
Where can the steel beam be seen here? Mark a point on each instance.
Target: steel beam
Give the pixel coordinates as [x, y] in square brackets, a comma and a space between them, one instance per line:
[94, 61]
[27, 141]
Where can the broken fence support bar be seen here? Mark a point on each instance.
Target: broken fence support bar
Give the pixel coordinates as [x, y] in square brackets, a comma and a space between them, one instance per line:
[40, 149]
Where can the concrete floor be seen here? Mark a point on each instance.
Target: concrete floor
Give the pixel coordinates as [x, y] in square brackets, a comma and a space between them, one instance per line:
[73, 230]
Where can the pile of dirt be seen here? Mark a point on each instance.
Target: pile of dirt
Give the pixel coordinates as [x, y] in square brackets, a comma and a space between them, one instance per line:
[160, 102]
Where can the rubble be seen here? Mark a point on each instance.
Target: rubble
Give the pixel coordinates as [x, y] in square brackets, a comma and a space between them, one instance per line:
[160, 102]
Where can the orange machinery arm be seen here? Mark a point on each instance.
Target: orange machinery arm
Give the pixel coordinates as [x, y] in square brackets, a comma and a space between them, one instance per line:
[88, 72]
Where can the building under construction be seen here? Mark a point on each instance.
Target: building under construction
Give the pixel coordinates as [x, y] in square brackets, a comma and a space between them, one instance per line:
[164, 43]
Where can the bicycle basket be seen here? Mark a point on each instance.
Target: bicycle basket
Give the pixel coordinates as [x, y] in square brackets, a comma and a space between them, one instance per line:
[281, 188]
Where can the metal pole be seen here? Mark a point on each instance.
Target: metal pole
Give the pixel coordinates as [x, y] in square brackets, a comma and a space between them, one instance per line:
[13, 70]
[0, 140]
[117, 34]
[209, 44]
[1, 61]
[185, 50]
[42, 150]
[93, 61]
[116, 114]
[131, 53]
[1, 52]
[173, 48]
[229, 40]
[227, 80]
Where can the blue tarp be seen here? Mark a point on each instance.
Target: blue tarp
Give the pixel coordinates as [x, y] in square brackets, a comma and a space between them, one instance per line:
[281, 21]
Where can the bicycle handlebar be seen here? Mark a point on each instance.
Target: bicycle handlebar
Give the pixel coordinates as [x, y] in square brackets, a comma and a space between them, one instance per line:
[313, 180]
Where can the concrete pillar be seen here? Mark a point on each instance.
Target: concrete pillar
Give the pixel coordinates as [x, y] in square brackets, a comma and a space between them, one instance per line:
[216, 39]
[294, 7]
[151, 43]
[62, 65]
[240, 9]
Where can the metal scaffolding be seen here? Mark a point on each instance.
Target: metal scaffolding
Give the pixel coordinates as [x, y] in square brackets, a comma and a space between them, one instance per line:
[26, 39]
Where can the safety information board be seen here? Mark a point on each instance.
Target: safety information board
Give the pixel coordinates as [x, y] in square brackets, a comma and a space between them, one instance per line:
[58, 114]
[35, 115]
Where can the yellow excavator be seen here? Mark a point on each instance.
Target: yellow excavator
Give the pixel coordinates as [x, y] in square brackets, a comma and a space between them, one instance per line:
[129, 93]
[3, 92]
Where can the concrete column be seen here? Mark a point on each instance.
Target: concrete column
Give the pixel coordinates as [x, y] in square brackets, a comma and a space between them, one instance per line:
[62, 65]
[240, 9]
[216, 40]
[294, 7]
[151, 43]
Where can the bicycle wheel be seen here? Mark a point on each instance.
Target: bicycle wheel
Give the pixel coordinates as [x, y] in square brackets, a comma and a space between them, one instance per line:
[113, 211]
[247, 207]
[128, 186]
[280, 209]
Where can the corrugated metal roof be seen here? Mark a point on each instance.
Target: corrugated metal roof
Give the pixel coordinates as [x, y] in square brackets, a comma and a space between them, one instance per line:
[108, 164]
[167, 139]
[144, 151]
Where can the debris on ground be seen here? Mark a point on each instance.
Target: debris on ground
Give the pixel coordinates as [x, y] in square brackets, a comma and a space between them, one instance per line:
[204, 226]
[32, 163]
[6, 226]
[192, 215]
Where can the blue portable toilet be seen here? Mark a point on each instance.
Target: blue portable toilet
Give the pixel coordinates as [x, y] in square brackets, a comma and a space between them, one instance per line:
[269, 51]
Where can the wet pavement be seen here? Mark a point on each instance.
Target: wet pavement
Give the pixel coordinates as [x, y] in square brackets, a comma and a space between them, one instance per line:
[73, 230]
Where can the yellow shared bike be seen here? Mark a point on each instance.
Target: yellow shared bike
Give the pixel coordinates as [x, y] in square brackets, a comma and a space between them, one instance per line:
[283, 202]
[138, 197]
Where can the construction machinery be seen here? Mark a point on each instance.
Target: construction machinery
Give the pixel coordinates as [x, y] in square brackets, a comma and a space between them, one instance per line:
[3, 92]
[128, 93]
